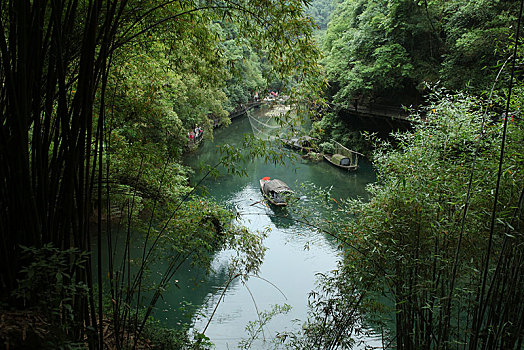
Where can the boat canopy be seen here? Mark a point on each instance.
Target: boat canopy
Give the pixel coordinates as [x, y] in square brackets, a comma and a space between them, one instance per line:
[276, 186]
[341, 159]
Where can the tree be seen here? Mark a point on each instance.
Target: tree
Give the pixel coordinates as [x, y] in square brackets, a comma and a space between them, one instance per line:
[57, 59]
[420, 250]
[389, 48]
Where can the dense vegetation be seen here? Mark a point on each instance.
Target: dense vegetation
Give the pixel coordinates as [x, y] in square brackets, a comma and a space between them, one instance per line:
[438, 248]
[97, 99]
[434, 258]
[388, 49]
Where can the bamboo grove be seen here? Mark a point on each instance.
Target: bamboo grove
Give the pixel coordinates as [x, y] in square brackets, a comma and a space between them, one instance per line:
[434, 258]
[56, 127]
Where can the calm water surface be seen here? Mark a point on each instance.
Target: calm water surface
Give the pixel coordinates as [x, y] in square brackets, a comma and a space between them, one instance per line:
[288, 265]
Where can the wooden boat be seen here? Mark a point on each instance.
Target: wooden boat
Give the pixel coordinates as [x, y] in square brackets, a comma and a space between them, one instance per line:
[302, 143]
[275, 191]
[343, 158]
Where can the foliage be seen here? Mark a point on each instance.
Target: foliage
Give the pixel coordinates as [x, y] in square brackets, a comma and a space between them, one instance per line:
[477, 35]
[327, 147]
[173, 339]
[387, 49]
[55, 272]
[321, 10]
[423, 240]
[332, 127]
[50, 268]
[167, 338]
[333, 316]
[254, 328]
[142, 172]
[97, 98]
[249, 72]
[204, 228]
[188, 231]
[158, 100]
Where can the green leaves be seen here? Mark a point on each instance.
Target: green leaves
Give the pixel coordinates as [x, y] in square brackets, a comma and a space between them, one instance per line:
[58, 273]
[374, 48]
[410, 229]
[392, 65]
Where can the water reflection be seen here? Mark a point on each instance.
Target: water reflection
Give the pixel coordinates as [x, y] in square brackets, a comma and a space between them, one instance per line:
[280, 217]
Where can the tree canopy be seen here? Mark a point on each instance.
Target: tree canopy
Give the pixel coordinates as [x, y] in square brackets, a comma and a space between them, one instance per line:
[388, 48]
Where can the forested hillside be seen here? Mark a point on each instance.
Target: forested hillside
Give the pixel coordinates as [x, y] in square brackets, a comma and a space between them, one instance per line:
[387, 50]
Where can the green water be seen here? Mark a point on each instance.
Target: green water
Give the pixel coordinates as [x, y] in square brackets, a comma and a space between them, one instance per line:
[287, 265]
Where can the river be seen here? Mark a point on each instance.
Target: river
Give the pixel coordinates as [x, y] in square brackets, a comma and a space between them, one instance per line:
[295, 253]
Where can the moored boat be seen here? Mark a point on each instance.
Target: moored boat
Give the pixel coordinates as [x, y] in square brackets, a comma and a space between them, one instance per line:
[343, 158]
[276, 191]
[302, 143]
